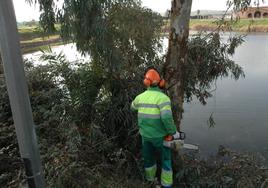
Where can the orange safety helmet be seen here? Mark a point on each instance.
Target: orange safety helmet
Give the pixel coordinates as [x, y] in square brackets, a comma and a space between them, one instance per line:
[152, 77]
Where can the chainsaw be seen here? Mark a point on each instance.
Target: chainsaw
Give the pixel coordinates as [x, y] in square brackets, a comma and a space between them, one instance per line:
[178, 143]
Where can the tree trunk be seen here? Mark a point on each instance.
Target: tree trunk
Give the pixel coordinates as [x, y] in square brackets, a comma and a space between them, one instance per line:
[1, 66]
[176, 58]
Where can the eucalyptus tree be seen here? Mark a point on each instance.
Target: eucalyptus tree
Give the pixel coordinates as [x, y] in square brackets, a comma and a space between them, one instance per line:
[193, 64]
[1, 66]
[109, 30]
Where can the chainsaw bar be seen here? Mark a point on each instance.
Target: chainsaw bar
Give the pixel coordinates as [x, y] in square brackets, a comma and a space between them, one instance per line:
[190, 146]
[179, 144]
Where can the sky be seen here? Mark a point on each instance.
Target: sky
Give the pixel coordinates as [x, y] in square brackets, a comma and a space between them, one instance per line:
[25, 12]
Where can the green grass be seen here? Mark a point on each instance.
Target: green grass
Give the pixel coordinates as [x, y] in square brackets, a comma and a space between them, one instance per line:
[40, 39]
[204, 21]
[38, 48]
[239, 23]
[243, 25]
[33, 39]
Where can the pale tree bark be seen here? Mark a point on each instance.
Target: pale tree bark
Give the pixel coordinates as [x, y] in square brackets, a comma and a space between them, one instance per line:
[176, 58]
[1, 66]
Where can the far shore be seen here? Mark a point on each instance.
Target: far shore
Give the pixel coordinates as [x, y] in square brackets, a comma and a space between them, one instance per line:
[243, 25]
[32, 39]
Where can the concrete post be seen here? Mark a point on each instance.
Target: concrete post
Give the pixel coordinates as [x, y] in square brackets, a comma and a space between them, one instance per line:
[18, 94]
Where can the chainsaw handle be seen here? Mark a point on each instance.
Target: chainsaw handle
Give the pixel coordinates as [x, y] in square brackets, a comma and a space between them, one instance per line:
[170, 137]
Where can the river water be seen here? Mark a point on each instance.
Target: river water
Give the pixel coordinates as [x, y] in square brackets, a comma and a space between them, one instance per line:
[240, 108]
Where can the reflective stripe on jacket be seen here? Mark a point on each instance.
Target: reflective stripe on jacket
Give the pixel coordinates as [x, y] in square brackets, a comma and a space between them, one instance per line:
[154, 113]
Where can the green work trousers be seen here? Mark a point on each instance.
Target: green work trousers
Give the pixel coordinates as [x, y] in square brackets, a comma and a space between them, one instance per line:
[150, 148]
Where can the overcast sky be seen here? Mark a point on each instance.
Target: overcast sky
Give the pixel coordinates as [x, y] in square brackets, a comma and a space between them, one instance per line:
[24, 12]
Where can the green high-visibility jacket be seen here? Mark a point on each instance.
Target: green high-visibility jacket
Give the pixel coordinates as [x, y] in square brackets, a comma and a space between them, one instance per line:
[154, 113]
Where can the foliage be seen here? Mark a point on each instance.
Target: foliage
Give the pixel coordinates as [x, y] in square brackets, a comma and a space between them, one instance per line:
[243, 4]
[120, 49]
[227, 169]
[75, 152]
[208, 60]
[80, 85]
[115, 43]
[93, 10]
[47, 16]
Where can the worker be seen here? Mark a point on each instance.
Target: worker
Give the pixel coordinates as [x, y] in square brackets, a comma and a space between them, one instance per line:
[155, 122]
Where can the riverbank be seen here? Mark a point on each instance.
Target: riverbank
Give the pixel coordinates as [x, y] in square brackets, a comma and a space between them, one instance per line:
[243, 25]
[33, 39]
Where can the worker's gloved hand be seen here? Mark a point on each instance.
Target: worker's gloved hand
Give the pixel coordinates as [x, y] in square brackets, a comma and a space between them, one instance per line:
[179, 135]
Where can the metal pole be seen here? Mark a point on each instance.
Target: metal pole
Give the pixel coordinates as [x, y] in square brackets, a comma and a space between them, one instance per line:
[18, 95]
